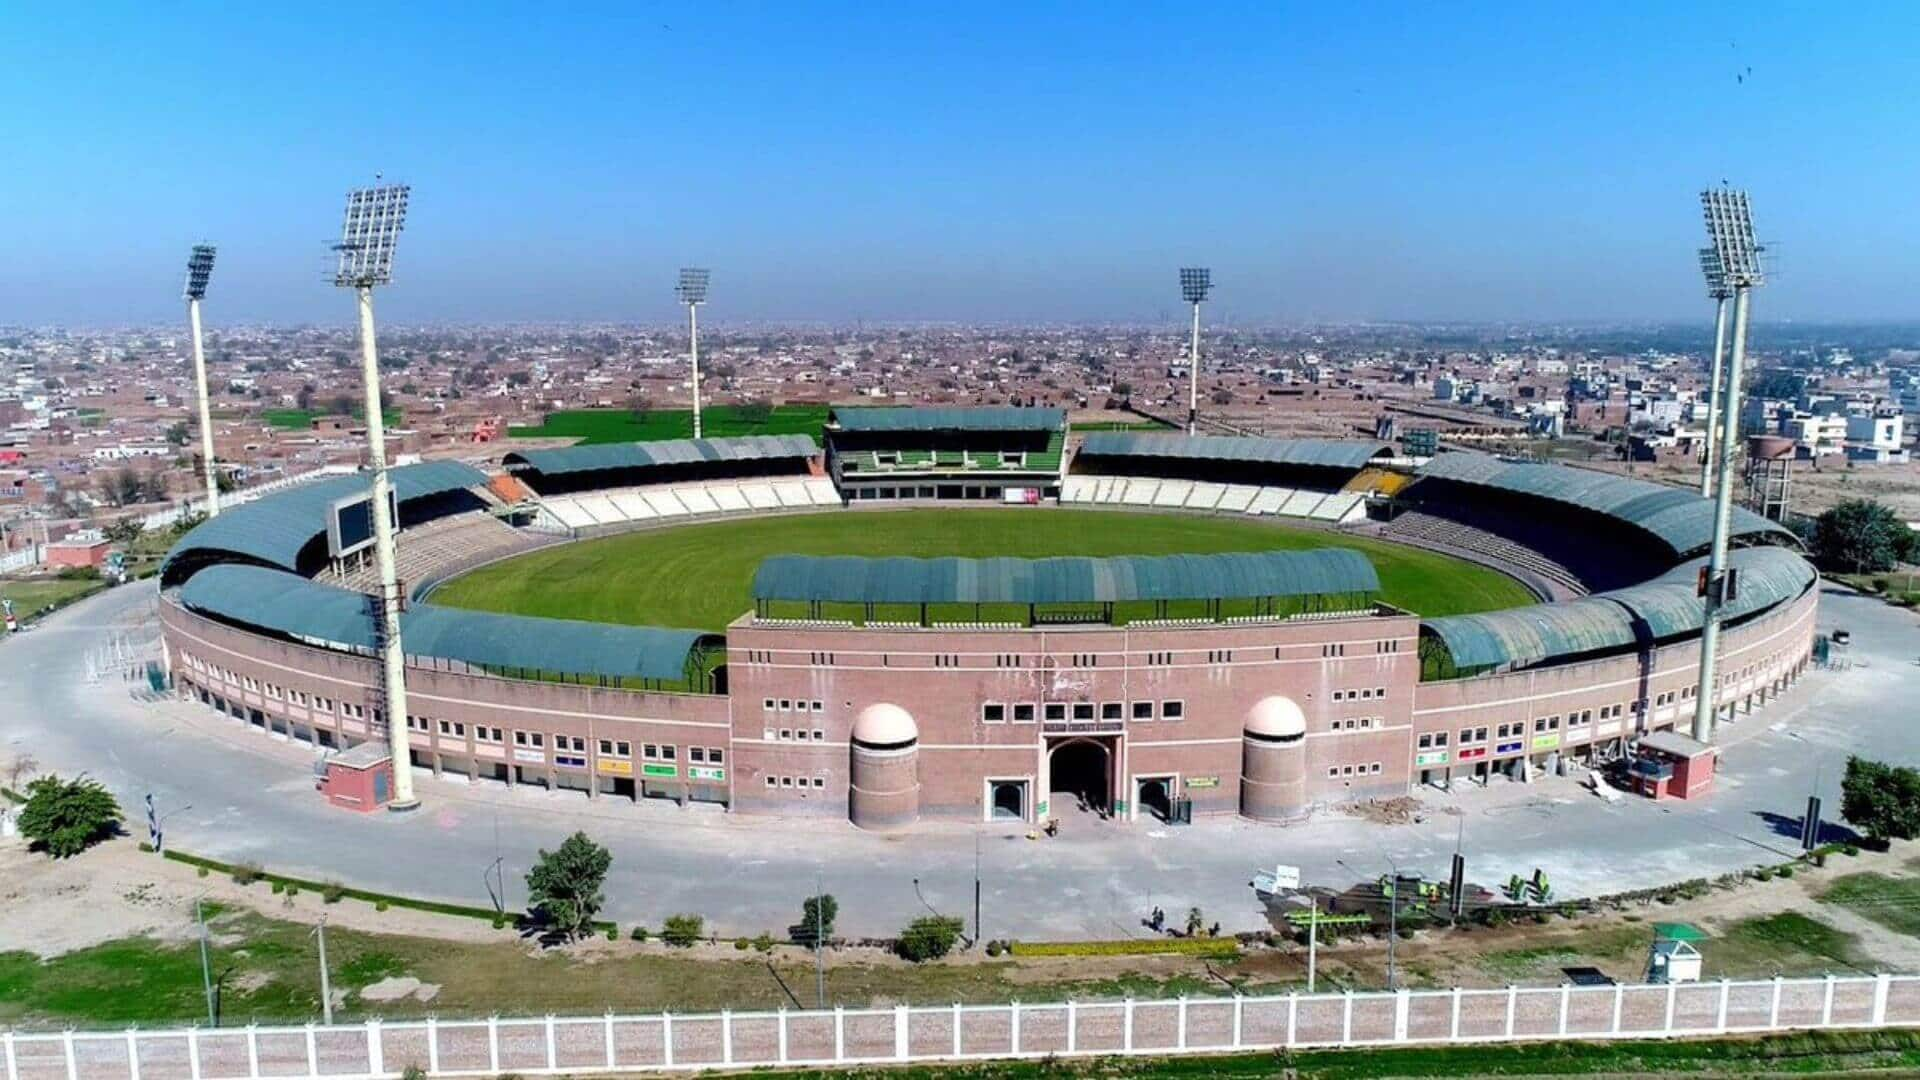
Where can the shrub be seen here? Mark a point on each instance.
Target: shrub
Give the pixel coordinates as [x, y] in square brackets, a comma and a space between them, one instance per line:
[764, 942]
[381, 905]
[929, 937]
[499, 921]
[201, 871]
[66, 817]
[1786, 871]
[994, 948]
[1850, 850]
[246, 873]
[741, 944]
[277, 887]
[639, 933]
[681, 931]
[332, 892]
[816, 920]
[613, 932]
[291, 890]
[1200, 946]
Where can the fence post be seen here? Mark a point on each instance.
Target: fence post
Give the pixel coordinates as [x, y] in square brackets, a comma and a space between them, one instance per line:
[493, 1044]
[1880, 986]
[553, 1049]
[839, 1034]
[608, 1031]
[1826, 1005]
[1726, 991]
[1619, 999]
[1566, 999]
[1180, 1036]
[433, 1045]
[1293, 1014]
[253, 1050]
[1513, 993]
[1401, 999]
[1126, 1027]
[783, 1035]
[666, 1038]
[900, 1032]
[376, 1055]
[313, 1054]
[133, 1054]
[13, 1066]
[726, 1036]
[1773, 1010]
[1238, 1009]
[956, 1029]
[1073, 1026]
[193, 1055]
[1013, 1030]
[73, 1066]
[1346, 1017]
[1453, 1022]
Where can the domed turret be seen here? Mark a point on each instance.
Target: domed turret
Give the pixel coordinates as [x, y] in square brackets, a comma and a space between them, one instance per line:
[1273, 767]
[884, 792]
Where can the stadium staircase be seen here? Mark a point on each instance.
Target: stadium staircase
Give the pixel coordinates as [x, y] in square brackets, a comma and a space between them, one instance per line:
[445, 546]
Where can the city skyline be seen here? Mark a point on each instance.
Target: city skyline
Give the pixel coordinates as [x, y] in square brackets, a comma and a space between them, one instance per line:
[1050, 167]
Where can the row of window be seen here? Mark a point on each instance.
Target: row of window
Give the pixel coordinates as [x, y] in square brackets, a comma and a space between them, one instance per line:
[996, 712]
[1078, 660]
[796, 781]
[795, 735]
[1358, 723]
[791, 705]
[1339, 771]
[1365, 693]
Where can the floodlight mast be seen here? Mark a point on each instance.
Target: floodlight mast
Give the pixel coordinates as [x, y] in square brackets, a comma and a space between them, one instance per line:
[1717, 291]
[1195, 283]
[692, 291]
[1730, 230]
[374, 218]
[199, 271]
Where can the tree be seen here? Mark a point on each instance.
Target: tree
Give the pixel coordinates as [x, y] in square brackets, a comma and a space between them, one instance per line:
[928, 937]
[65, 817]
[177, 434]
[816, 920]
[1860, 536]
[682, 931]
[123, 531]
[1778, 383]
[564, 885]
[1196, 922]
[1882, 800]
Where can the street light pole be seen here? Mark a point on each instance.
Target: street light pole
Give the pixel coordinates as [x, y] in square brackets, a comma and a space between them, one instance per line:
[819, 942]
[326, 990]
[206, 964]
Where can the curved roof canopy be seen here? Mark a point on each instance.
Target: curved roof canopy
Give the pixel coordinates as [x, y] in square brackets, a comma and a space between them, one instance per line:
[640, 455]
[297, 607]
[1680, 518]
[272, 529]
[983, 418]
[1666, 607]
[1328, 453]
[852, 579]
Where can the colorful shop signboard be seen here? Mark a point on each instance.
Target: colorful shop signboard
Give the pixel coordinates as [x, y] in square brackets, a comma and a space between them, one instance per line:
[1545, 742]
[615, 767]
[1430, 758]
[650, 768]
[706, 772]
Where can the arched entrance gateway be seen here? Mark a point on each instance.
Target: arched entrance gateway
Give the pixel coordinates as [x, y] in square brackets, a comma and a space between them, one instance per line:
[1080, 776]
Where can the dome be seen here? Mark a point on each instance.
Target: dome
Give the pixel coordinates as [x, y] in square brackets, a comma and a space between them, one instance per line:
[885, 725]
[1276, 717]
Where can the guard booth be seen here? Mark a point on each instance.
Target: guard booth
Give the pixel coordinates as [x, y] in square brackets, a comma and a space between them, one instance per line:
[357, 779]
[1674, 957]
[1667, 764]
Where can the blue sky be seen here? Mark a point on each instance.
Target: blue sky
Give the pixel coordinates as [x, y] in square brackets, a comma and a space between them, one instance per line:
[964, 161]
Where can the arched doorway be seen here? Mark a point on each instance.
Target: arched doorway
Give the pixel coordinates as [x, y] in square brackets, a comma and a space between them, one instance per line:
[1009, 800]
[1080, 773]
[1156, 797]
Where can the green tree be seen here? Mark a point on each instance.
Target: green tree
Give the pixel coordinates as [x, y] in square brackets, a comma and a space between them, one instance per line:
[564, 885]
[65, 817]
[1778, 383]
[816, 919]
[1861, 536]
[124, 531]
[928, 937]
[1881, 800]
[682, 931]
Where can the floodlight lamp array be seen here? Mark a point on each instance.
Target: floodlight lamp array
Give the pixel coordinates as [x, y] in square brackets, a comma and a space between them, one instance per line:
[692, 288]
[199, 271]
[374, 218]
[1729, 219]
[1195, 283]
[1716, 278]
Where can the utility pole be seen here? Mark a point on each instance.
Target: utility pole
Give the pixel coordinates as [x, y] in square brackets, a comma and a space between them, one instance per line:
[1313, 939]
[819, 942]
[326, 989]
[206, 965]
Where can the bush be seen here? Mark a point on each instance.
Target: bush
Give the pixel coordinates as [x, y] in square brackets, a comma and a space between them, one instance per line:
[929, 937]
[613, 932]
[1200, 946]
[741, 944]
[639, 933]
[332, 892]
[66, 817]
[277, 887]
[499, 921]
[291, 890]
[1786, 871]
[1850, 850]
[682, 931]
[246, 873]
[201, 871]
[994, 948]
[381, 905]
[816, 920]
[764, 942]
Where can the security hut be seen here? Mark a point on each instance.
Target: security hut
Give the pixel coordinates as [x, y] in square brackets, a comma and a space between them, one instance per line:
[1675, 958]
[1667, 764]
[358, 779]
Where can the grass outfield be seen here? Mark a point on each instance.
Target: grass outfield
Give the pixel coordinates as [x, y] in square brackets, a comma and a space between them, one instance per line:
[698, 576]
[716, 421]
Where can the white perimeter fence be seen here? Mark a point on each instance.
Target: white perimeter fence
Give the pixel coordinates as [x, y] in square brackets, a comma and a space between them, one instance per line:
[841, 1037]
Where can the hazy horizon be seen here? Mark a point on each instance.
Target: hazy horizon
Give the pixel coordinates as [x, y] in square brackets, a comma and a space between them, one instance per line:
[1038, 166]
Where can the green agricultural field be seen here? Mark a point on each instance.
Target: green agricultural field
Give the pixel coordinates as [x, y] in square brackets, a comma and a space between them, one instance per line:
[698, 576]
[718, 421]
[302, 419]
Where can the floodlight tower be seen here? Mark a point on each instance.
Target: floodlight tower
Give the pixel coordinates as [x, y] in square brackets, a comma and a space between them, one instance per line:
[1195, 282]
[692, 291]
[1730, 231]
[375, 216]
[199, 270]
[1718, 291]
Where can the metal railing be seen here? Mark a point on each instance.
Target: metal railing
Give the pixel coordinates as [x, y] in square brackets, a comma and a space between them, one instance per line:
[845, 1037]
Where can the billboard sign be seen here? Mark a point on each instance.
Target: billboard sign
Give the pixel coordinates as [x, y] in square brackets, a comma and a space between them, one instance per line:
[350, 523]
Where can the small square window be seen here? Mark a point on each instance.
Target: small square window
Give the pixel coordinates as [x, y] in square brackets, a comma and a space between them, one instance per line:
[819, 734]
[1083, 710]
[771, 781]
[1172, 710]
[993, 713]
[786, 734]
[1143, 710]
[714, 756]
[696, 753]
[1023, 714]
[819, 706]
[819, 781]
[786, 781]
[766, 703]
[1056, 711]
[786, 704]
[1111, 711]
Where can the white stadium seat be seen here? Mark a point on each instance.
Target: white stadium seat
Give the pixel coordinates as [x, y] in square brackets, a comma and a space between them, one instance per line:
[1205, 496]
[570, 513]
[695, 498]
[1238, 497]
[601, 508]
[729, 498]
[1301, 503]
[1140, 491]
[791, 493]
[1172, 493]
[631, 504]
[760, 496]
[1268, 500]
[663, 502]
[820, 490]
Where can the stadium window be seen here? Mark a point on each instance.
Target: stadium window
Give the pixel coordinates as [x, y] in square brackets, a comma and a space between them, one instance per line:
[819, 734]
[1111, 711]
[771, 781]
[1333, 771]
[622, 749]
[1346, 770]
[1374, 768]
[667, 752]
[1056, 711]
[767, 704]
[993, 713]
[786, 734]
[1173, 710]
[1023, 714]
[786, 781]
[819, 706]
[1083, 710]
[697, 754]
[606, 747]
[1339, 695]
[820, 781]
[715, 755]
[649, 751]
[1426, 742]
[1143, 710]
[786, 704]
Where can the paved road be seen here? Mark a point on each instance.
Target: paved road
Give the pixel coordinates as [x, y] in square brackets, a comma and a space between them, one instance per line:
[247, 796]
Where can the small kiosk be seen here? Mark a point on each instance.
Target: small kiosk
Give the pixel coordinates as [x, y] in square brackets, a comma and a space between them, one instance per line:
[1667, 764]
[1675, 958]
[358, 779]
